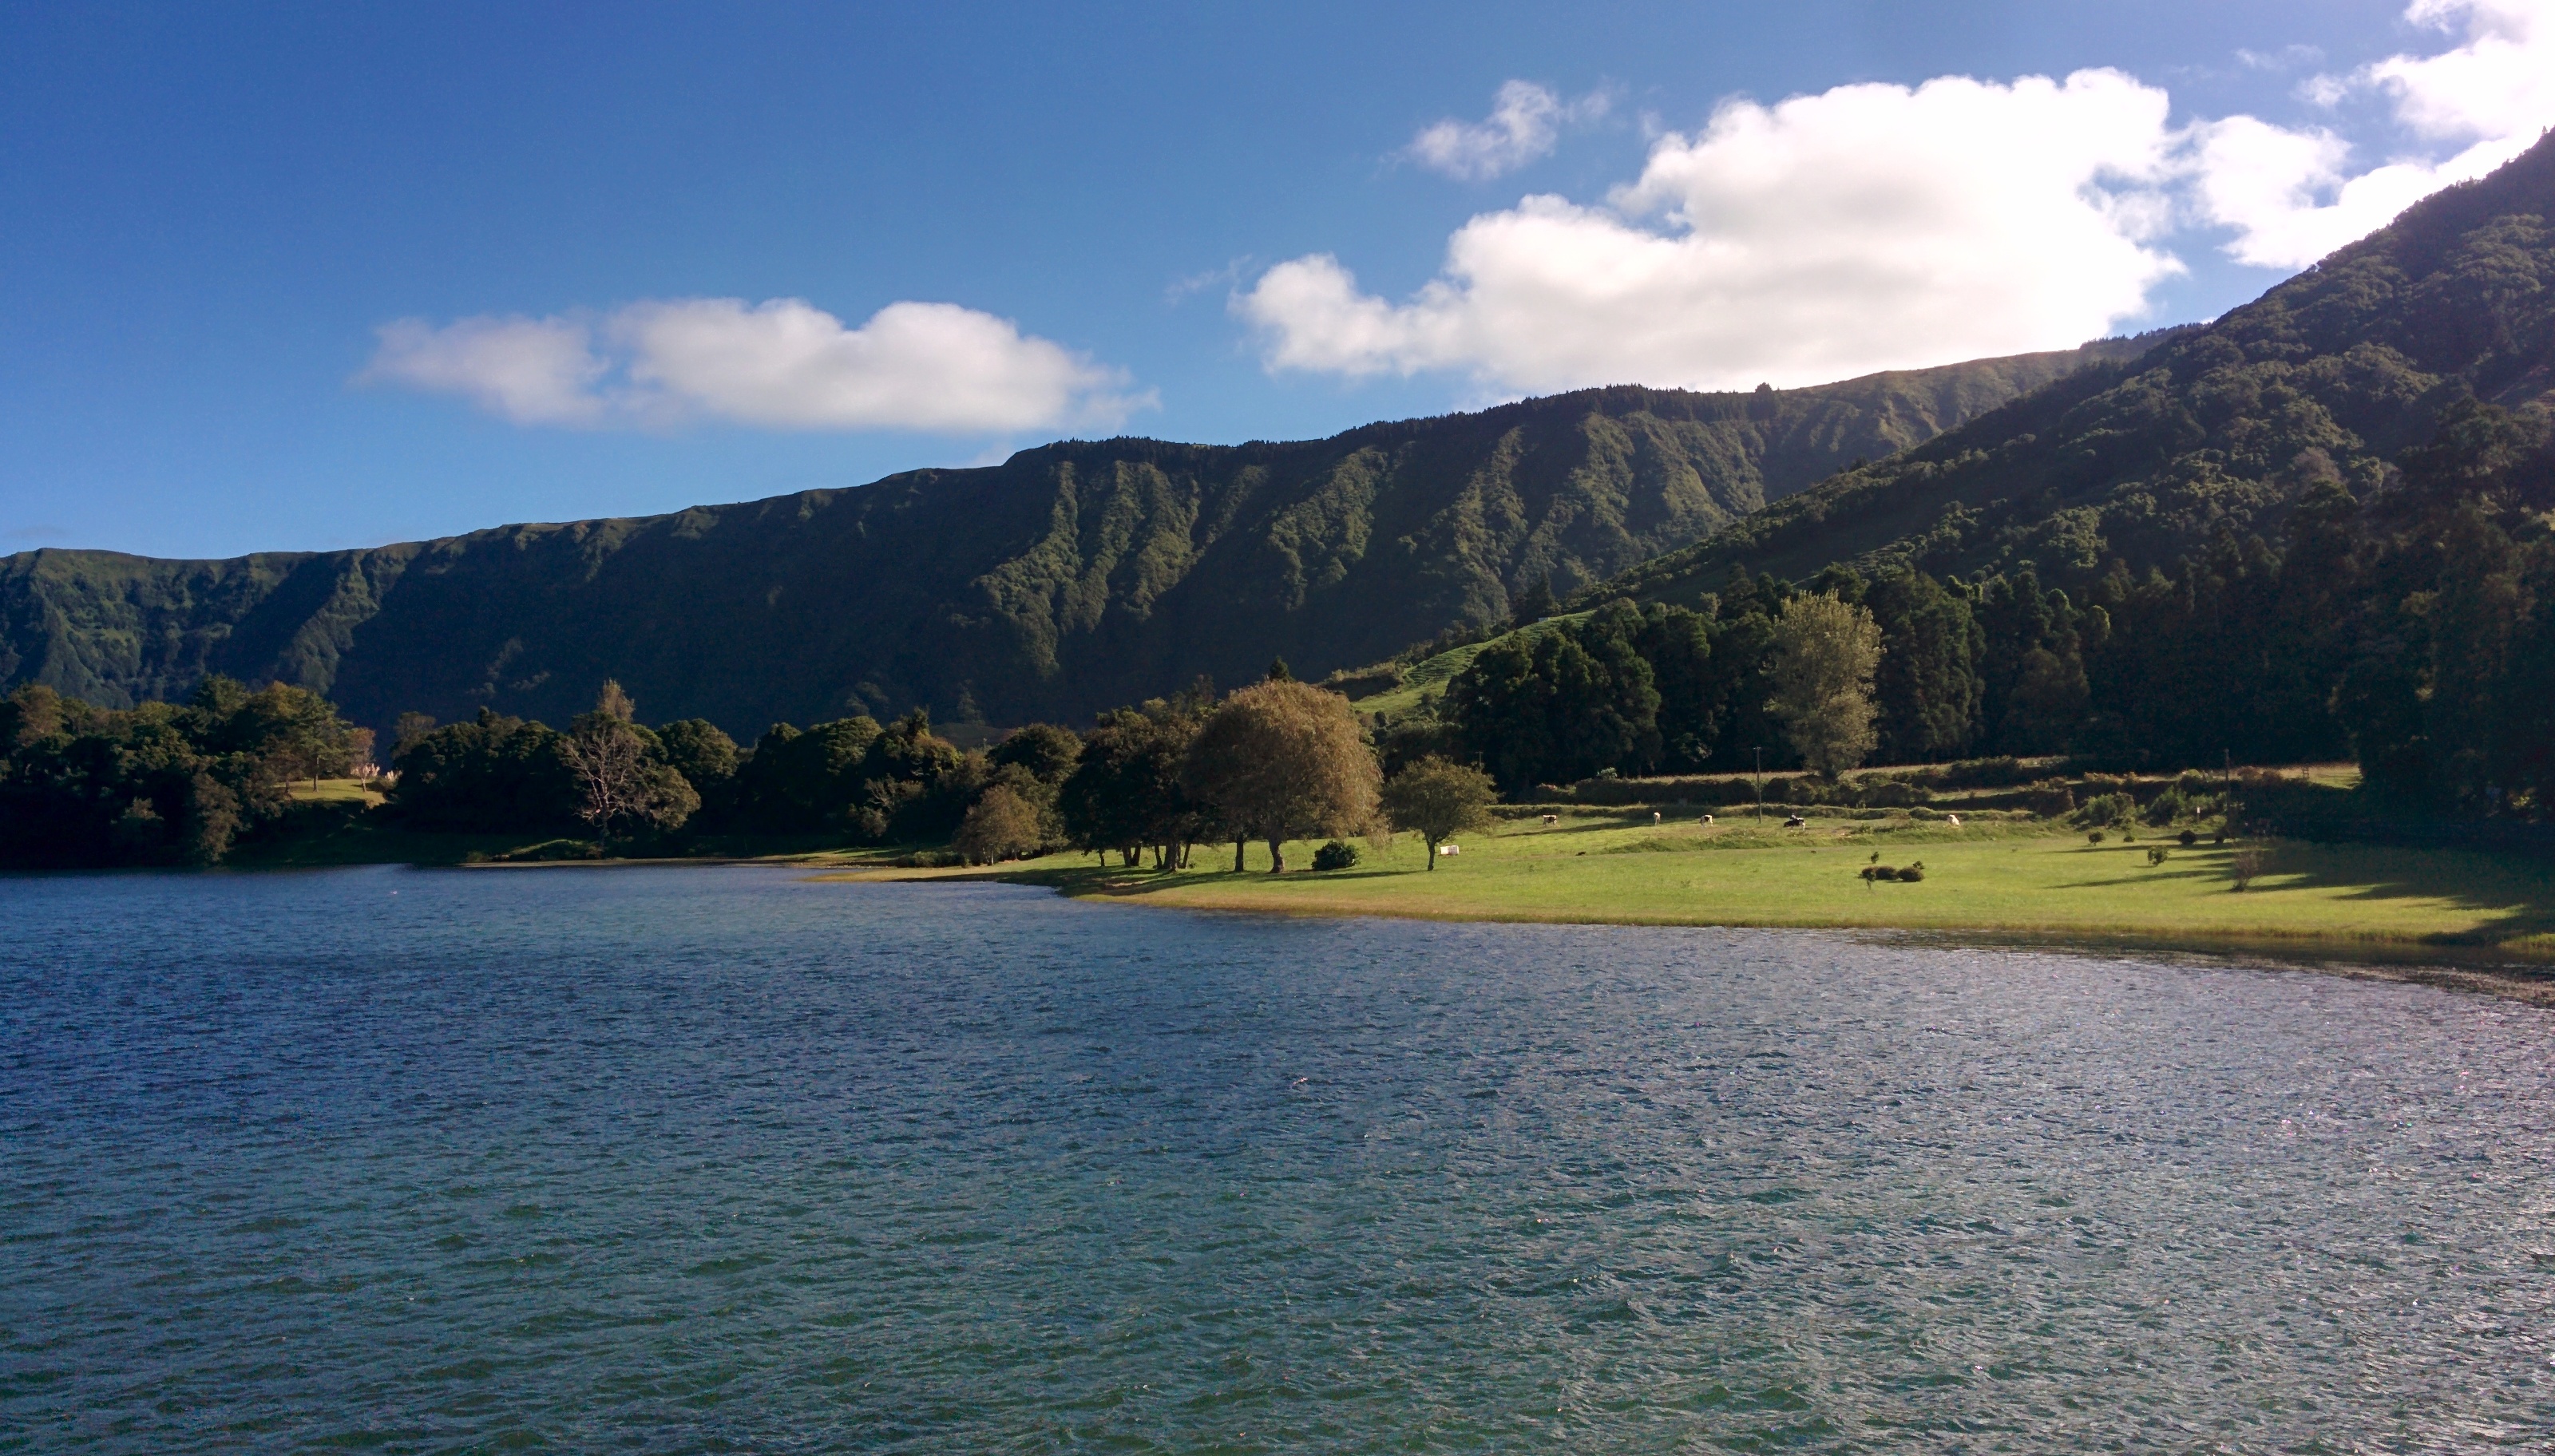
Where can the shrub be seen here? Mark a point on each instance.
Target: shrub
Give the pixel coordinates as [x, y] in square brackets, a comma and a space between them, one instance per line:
[2002, 773]
[2247, 866]
[2106, 809]
[2157, 855]
[2189, 837]
[1000, 826]
[2166, 807]
[2096, 837]
[1336, 855]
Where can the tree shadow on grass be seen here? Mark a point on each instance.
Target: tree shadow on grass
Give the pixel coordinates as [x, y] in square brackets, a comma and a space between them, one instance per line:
[2513, 897]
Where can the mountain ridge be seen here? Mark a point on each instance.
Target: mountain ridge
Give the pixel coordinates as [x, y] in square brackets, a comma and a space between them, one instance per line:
[1074, 575]
[2221, 429]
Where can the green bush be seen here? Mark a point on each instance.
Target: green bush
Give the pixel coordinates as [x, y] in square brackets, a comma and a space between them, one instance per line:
[2096, 837]
[2158, 855]
[1336, 855]
[2105, 810]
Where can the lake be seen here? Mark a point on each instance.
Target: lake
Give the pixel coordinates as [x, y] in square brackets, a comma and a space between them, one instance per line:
[722, 1160]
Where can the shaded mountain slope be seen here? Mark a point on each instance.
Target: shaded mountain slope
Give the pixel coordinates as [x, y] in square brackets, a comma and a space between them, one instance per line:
[1071, 577]
[2220, 428]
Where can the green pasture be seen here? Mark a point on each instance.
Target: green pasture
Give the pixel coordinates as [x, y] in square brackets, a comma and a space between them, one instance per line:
[2017, 878]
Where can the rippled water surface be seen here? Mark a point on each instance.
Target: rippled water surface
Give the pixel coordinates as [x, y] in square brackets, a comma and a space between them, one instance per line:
[718, 1159]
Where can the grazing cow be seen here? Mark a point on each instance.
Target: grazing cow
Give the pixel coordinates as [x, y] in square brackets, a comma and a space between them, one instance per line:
[1952, 819]
[1551, 819]
[1795, 822]
[1707, 822]
[1450, 849]
[1655, 816]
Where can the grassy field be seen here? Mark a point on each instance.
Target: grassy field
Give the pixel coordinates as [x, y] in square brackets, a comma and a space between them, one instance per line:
[329, 790]
[1998, 878]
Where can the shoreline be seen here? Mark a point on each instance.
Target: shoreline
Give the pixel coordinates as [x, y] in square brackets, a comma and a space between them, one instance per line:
[2523, 976]
[2470, 920]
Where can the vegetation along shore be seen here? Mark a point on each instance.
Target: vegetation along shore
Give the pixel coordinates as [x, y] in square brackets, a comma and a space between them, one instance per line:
[2003, 679]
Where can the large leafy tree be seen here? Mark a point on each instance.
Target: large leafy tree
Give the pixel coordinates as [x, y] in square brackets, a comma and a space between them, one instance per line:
[1124, 792]
[622, 780]
[1826, 652]
[1436, 800]
[1279, 761]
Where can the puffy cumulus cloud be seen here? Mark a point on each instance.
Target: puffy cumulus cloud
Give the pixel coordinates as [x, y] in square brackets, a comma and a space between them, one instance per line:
[2498, 84]
[1866, 228]
[2291, 194]
[784, 364]
[1878, 226]
[1525, 123]
[533, 371]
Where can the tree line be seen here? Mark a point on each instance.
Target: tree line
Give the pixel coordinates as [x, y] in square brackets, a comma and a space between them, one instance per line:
[163, 783]
[2411, 626]
[1276, 762]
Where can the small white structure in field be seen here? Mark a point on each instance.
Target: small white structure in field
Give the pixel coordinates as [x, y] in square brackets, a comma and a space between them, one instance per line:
[1450, 849]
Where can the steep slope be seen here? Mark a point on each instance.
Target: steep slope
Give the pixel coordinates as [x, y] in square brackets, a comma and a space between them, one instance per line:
[2220, 428]
[1069, 578]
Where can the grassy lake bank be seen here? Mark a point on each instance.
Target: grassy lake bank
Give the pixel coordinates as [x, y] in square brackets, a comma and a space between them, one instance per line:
[2464, 917]
[2018, 881]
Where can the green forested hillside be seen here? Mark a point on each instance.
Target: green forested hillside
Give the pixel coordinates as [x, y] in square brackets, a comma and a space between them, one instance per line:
[2219, 430]
[2322, 525]
[1070, 578]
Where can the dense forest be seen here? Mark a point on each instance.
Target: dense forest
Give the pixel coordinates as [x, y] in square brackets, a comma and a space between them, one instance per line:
[1070, 578]
[2413, 629]
[162, 783]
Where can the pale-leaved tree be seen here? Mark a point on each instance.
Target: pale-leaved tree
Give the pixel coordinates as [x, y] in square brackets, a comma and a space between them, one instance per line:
[1826, 651]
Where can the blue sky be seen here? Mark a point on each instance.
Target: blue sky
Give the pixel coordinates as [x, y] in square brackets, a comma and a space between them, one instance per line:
[279, 278]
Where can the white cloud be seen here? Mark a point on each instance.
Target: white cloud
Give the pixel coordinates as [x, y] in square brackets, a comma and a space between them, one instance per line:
[783, 364]
[1525, 123]
[533, 371]
[2291, 195]
[1866, 228]
[1879, 226]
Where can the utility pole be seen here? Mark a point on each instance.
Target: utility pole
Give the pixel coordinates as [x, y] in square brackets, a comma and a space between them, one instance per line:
[1759, 778]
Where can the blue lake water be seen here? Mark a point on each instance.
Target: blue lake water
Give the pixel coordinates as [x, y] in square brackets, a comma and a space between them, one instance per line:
[724, 1160]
